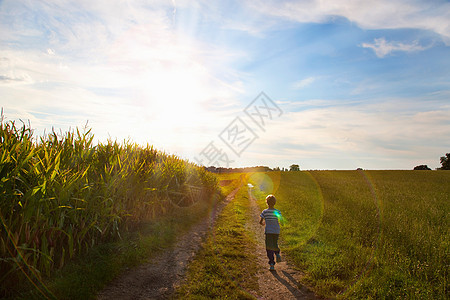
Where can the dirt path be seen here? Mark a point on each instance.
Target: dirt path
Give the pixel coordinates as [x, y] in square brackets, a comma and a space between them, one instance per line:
[159, 278]
[283, 283]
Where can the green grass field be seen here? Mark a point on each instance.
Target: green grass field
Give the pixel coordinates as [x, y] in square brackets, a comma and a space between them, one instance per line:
[355, 234]
[365, 234]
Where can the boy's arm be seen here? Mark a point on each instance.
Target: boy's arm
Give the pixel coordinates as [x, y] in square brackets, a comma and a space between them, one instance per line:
[261, 221]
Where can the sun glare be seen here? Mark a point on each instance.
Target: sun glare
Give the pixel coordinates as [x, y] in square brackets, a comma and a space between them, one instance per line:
[170, 82]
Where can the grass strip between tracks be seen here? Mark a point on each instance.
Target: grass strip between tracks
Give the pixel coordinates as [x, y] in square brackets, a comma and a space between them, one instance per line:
[226, 265]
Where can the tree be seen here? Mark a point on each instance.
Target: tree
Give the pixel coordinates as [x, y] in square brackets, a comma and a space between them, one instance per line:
[445, 162]
[294, 168]
[421, 167]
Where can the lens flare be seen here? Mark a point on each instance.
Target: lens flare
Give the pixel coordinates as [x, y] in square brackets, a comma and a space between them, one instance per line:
[265, 183]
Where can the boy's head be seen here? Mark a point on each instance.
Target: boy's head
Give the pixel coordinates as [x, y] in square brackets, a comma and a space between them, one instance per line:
[270, 200]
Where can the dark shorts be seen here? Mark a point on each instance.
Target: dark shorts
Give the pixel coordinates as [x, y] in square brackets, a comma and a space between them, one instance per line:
[272, 241]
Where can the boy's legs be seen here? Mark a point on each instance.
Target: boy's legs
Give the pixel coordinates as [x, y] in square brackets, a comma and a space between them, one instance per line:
[272, 247]
[270, 256]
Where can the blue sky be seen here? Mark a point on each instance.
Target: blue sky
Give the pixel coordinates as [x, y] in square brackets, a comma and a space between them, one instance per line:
[359, 83]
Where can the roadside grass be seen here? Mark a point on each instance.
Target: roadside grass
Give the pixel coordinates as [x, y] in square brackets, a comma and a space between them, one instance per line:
[369, 234]
[225, 268]
[83, 277]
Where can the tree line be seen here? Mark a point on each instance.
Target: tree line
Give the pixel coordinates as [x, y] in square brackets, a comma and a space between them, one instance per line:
[445, 164]
[293, 167]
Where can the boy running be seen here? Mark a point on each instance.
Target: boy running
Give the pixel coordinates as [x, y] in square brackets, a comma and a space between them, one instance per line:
[270, 217]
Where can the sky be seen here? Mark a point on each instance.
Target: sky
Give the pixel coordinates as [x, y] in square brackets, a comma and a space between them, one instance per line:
[323, 84]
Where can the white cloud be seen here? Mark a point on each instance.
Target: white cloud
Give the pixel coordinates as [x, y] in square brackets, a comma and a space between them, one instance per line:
[381, 14]
[303, 82]
[381, 47]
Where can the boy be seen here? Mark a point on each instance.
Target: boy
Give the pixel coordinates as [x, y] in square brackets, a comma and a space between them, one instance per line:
[270, 217]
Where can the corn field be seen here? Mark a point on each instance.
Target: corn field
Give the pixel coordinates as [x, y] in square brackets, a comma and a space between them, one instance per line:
[60, 195]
